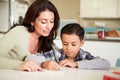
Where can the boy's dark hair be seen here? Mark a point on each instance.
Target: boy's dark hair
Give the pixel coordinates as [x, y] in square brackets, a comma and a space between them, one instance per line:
[73, 28]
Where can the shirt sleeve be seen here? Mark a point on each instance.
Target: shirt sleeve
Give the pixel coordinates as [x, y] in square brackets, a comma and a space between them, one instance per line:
[37, 58]
[96, 63]
[42, 57]
[7, 43]
[88, 61]
[9, 60]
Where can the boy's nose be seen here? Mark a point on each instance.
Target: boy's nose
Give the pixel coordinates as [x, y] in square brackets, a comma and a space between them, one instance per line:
[69, 47]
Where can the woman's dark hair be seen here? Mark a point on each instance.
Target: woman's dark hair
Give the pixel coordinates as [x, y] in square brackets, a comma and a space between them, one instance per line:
[32, 13]
[73, 28]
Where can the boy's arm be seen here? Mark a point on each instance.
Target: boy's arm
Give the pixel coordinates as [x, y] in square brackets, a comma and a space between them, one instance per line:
[96, 63]
[90, 62]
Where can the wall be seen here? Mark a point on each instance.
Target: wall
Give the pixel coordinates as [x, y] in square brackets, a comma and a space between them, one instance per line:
[70, 9]
[10, 13]
[110, 23]
[4, 22]
[107, 50]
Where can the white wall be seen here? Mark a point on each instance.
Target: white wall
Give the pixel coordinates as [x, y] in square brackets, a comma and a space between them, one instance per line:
[107, 50]
[4, 24]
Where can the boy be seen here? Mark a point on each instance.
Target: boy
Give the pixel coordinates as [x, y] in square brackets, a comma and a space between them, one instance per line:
[72, 37]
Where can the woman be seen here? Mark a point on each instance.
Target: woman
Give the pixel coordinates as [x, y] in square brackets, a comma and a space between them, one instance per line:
[35, 35]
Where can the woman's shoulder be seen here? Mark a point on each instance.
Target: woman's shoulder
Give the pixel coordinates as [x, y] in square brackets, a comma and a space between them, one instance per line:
[19, 28]
[17, 32]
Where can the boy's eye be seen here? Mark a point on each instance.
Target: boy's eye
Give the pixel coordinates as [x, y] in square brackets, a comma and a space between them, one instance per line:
[65, 44]
[73, 44]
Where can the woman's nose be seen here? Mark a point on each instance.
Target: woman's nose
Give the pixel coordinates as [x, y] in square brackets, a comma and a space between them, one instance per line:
[49, 26]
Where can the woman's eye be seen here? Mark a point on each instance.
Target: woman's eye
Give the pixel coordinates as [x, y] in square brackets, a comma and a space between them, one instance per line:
[51, 21]
[43, 22]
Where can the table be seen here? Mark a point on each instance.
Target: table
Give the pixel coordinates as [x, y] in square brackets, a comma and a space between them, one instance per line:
[63, 74]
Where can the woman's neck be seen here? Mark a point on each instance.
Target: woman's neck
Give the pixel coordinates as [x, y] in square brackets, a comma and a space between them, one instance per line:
[34, 35]
[33, 42]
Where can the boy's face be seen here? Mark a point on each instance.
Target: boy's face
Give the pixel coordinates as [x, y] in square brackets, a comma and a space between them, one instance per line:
[71, 45]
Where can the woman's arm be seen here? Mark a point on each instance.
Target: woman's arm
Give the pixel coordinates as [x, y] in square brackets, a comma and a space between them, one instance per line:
[11, 51]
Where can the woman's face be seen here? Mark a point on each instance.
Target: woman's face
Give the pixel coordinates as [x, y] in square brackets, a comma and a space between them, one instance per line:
[44, 23]
[71, 45]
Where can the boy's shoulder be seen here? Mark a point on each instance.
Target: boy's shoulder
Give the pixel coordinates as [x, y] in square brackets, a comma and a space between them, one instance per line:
[86, 55]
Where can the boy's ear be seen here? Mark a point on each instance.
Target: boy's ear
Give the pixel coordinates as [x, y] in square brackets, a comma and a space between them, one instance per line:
[82, 42]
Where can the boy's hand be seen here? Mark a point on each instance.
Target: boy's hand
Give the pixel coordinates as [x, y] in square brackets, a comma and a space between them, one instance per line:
[68, 63]
[50, 65]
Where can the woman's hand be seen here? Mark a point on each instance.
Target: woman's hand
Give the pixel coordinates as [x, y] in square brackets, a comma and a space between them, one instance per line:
[68, 63]
[30, 66]
[50, 65]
